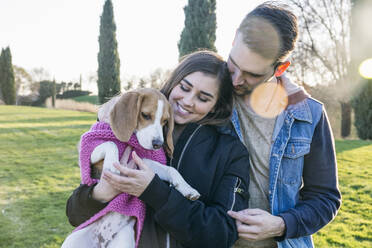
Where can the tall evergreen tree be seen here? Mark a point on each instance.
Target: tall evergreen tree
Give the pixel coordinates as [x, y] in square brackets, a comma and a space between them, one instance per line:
[108, 56]
[200, 27]
[7, 81]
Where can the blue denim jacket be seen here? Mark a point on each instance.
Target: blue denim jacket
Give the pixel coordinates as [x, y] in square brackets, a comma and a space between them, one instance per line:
[303, 186]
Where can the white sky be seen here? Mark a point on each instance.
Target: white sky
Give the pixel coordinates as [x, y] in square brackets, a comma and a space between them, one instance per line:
[61, 36]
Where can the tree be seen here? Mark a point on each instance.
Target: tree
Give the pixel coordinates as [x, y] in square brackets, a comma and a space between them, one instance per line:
[46, 89]
[200, 27]
[53, 93]
[158, 77]
[362, 104]
[7, 81]
[108, 57]
[24, 83]
[40, 74]
[323, 50]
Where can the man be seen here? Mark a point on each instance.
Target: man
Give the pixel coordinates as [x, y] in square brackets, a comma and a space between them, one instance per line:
[293, 172]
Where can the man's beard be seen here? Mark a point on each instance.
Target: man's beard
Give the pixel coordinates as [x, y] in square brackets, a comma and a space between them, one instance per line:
[243, 90]
[246, 89]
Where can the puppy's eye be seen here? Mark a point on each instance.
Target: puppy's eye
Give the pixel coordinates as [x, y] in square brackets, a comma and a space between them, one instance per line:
[146, 116]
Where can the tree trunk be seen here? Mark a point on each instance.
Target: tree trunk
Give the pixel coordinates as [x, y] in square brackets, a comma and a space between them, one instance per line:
[345, 119]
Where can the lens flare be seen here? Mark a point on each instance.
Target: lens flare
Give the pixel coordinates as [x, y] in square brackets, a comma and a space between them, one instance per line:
[269, 99]
[365, 69]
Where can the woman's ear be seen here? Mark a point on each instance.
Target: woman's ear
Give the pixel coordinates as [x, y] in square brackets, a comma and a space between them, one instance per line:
[124, 115]
[168, 133]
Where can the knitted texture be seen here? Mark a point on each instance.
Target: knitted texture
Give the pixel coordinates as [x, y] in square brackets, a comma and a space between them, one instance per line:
[123, 203]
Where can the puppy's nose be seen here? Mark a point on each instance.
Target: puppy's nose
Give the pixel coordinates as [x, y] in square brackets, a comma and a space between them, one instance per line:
[157, 143]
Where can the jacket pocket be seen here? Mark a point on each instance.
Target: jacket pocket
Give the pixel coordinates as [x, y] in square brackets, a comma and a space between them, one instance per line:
[292, 162]
[296, 149]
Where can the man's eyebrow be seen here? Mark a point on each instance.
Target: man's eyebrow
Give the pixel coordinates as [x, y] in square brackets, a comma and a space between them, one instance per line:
[246, 72]
[203, 92]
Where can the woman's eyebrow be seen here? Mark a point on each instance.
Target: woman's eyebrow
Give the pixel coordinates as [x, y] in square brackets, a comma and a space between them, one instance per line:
[202, 92]
[186, 81]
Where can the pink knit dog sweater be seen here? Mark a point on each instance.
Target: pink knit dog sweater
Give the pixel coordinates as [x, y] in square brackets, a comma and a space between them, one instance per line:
[123, 203]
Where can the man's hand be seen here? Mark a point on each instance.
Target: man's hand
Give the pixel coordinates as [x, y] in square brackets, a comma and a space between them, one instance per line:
[257, 224]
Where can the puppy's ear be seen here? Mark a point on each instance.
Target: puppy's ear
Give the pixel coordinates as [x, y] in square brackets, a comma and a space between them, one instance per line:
[124, 115]
[168, 133]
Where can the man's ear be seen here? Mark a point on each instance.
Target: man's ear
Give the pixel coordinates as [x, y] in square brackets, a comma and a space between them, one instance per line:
[282, 68]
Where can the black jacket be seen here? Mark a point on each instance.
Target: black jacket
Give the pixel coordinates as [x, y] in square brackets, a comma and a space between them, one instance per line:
[214, 163]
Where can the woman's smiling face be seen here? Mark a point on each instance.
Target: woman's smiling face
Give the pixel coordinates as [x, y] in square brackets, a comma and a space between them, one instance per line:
[194, 97]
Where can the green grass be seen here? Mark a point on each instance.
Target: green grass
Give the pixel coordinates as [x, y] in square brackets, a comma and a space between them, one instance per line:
[38, 171]
[353, 224]
[90, 99]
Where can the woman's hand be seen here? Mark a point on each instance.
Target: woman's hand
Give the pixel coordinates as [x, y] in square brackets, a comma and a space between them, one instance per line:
[130, 181]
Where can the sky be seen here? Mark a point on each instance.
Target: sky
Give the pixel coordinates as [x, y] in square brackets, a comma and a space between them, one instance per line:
[61, 36]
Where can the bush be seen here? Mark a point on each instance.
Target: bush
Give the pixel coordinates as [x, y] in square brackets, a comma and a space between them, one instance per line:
[45, 91]
[26, 100]
[91, 99]
[73, 93]
[362, 104]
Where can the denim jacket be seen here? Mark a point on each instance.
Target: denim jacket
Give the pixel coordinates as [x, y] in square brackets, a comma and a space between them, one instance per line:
[303, 185]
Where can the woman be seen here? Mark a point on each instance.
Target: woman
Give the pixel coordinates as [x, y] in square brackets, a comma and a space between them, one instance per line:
[208, 155]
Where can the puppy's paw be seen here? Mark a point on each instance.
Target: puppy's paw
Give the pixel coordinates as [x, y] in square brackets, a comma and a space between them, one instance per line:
[109, 165]
[114, 170]
[188, 192]
[194, 195]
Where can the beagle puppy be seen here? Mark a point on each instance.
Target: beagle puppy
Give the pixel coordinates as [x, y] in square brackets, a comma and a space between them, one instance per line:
[145, 112]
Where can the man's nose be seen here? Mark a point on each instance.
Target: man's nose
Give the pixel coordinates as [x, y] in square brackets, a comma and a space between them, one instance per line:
[237, 78]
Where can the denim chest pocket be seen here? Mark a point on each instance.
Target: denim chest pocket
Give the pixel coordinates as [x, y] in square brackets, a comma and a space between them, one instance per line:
[296, 149]
[292, 161]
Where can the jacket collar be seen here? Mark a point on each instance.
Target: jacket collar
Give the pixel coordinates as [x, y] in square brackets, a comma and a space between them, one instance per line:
[300, 111]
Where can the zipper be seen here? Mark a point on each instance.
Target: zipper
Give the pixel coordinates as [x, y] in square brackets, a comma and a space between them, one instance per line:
[187, 143]
[178, 166]
[167, 240]
[236, 190]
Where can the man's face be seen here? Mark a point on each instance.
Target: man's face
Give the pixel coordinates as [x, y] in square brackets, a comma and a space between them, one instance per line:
[247, 68]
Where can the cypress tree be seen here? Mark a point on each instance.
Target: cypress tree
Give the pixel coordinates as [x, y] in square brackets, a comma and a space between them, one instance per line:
[200, 27]
[362, 104]
[7, 80]
[108, 56]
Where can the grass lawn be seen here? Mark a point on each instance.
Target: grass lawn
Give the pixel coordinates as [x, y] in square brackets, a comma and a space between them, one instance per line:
[38, 171]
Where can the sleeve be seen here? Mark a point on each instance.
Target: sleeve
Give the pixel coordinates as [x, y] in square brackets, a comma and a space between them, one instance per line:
[320, 197]
[81, 206]
[195, 223]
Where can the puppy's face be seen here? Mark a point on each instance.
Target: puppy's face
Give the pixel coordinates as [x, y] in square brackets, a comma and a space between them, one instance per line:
[154, 115]
[147, 113]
